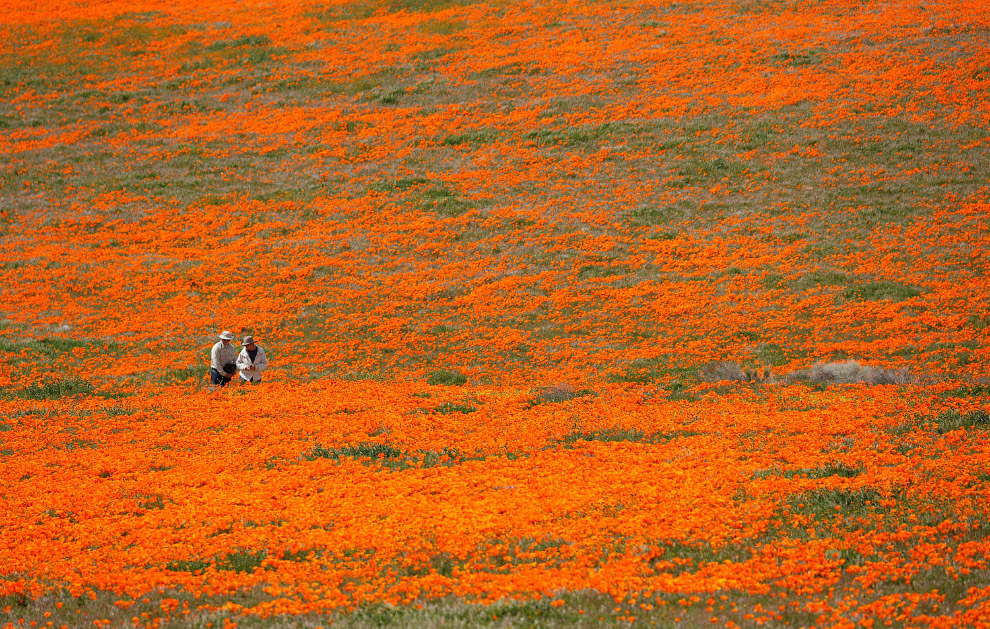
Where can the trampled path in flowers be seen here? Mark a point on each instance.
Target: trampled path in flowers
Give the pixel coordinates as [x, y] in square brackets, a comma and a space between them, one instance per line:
[504, 258]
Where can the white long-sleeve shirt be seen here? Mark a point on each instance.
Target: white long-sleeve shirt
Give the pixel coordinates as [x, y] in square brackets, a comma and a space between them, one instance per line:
[221, 354]
[252, 370]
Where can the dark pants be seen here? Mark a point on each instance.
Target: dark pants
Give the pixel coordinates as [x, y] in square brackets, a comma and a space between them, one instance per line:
[218, 378]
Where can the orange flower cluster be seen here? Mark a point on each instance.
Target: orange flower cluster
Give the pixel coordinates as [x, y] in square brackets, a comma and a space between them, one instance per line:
[329, 497]
[525, 195]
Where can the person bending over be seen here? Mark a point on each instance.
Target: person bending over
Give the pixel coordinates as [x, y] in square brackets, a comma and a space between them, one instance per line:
[223, 360]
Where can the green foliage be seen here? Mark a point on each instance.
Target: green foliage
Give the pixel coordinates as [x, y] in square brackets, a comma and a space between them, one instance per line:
[699, 170]
[950, 420]
[592, 136]
[398, 185]
[591, 271]
[51, 389]
[832, 469]
[444, 27]
[448, 408]
[828, 278]
[825, 504]
[770, 354]
[647, 370]
[810, 57]
[875, 291]
[184, 375]
[443, 201]
[617, 433]
[303, 555]
[512, 69]
[238, 561]
[358, 451]
[241, 42]
[151, 501]
[653, 216]
[975, 390]
[692, 554]
[474, 137]
[446, 378]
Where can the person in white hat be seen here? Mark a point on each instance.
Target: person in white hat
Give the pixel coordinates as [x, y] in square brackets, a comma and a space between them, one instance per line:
[251, 361]
[223, 360]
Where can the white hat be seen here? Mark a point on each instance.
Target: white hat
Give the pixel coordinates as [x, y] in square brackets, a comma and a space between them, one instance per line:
[226, 335]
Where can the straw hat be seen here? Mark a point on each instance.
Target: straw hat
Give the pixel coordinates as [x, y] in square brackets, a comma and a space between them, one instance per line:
[226, 335]
[248, 340]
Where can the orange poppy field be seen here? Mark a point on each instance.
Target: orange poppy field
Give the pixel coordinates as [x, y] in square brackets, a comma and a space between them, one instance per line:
[579, 314]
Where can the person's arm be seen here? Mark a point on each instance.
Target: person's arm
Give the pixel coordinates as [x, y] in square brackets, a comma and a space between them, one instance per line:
[261, 360]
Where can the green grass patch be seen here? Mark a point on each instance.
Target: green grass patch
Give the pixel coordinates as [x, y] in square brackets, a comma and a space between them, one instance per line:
[832, 469]
[442, 201]
[827, 278]
[374, 451]
[877, 291]
[400, 185]
[799, 59]
[950, 420]
[618, 433]
[184, 375]
[975, 390]
[446, 378]
[597, 271]
[649, 370]
[448, 408]
[475, 137]
[50, 389]
[653, 216]
[238, 561]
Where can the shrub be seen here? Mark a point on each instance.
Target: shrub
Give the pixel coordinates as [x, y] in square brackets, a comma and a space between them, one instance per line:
[733, 372]
[850, 372]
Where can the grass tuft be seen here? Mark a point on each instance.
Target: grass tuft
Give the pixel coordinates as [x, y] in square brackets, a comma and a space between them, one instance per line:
[447, 378]
[877, 291]
[51, 389]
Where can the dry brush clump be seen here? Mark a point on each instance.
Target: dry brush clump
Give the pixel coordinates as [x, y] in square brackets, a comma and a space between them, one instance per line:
[726, 371]
[850, 372]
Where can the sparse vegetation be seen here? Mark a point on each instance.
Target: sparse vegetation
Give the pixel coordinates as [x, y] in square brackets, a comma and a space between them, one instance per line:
[850, 372]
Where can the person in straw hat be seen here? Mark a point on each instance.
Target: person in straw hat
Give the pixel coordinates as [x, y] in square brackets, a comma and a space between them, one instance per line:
[251, 361]
[223, 360]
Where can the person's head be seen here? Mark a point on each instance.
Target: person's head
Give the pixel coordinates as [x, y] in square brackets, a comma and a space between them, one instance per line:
[249, 343]
[226, 337]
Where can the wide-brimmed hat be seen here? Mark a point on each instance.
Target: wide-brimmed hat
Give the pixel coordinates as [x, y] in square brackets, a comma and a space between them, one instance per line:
[226, 335]
[248, 340]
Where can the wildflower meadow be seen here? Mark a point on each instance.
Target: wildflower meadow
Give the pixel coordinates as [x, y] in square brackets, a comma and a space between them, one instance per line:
[579, 314]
